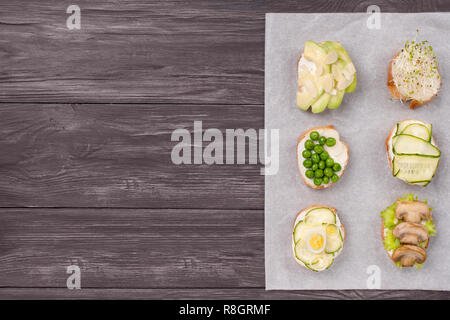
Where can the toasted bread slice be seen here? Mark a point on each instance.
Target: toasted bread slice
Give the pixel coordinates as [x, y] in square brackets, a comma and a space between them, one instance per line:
[396, 94]
[339, 153]
[301, 215]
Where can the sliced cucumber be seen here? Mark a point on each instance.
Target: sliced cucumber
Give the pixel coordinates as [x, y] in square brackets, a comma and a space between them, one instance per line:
[421, 183]
[405, 144]
[300, 230]
[303, 254]
[415, 169]
[319, 216]
[322, 262]
[418, 130]
[334, 238]
[402, 126]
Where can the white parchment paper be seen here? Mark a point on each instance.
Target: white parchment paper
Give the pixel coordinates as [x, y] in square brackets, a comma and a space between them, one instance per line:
[363, 121]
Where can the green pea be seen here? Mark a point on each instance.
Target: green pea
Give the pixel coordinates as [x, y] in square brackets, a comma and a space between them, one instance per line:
[329, 162]
[322, 140]
[306, 154]
[315, 158]
[328, 172]
[318, 181]
[322, 165]
[309, 145]
[331, 142]
[335, 178]
[314, 135]
[315, 166]
[326, 180]
[318, 173]
[307, 163]
[309, 174]
[337, 167]
[324, 155]
[318, 149]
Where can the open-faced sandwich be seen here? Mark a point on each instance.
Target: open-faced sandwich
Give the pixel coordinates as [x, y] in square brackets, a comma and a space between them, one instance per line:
[318, 237]
[321, 157]
[324, 73]
[413, 74]
[406, 229]
[412, 152]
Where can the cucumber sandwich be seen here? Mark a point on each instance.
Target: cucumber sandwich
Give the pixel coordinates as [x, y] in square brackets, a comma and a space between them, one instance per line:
[318, 237]
[324, 73]
[413, 74]
[412, 152]
[406, 229]
[321, 157]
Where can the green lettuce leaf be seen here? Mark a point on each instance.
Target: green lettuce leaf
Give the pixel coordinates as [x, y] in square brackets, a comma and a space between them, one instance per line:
[390, 242]
[388, 216]
[429, 224]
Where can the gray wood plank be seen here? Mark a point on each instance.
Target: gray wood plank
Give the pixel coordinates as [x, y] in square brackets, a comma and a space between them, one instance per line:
[123, 248]
[217, 293]
[119, 156]
[132, 51]
[152, 52]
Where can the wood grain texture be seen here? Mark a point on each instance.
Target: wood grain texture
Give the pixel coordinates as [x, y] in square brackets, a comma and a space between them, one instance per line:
[124, 248]
[117, 155]
[217, 293]
[131, 51]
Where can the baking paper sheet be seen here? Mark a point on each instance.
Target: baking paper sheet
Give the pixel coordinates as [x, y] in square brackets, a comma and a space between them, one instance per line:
[363, 121]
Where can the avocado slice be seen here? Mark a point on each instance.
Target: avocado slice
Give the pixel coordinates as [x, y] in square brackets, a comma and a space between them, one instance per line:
[321, 103]
[315, 51]
[304, 101]
[352, 86]
[336, 100]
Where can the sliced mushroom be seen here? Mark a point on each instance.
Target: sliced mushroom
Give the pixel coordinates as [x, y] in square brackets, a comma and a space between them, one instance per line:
[410, 233]
[412, 211]
[408, 255]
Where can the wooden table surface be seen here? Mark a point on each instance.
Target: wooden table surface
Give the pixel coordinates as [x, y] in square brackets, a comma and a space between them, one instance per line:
[86, 177]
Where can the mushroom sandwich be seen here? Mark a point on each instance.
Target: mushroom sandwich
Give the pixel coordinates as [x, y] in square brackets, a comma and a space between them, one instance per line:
[406, 229]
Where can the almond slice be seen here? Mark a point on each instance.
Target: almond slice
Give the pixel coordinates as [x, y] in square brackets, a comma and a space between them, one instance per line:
[327, 82]
[331, 57]
[311, 87]
[344, 83]
[350, 67]
[337, 74]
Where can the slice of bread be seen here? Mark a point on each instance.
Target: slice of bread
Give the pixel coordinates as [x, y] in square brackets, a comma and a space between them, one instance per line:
[396, 93]
[388, 141]
[339, 153]
[301, 215]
